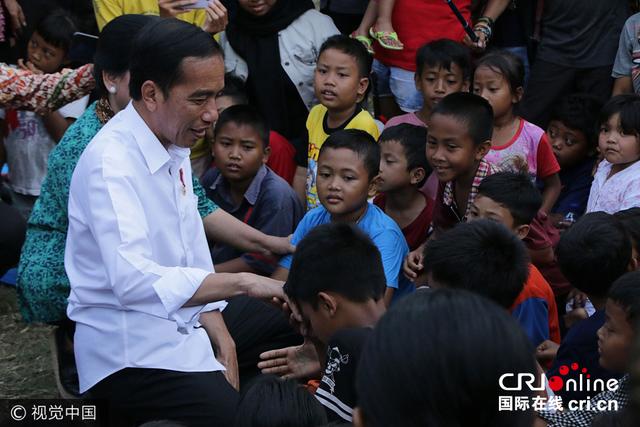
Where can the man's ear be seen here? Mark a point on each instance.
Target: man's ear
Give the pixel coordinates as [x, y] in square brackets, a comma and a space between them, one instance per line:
[417, 174]
[522, 231]
[482, 149]
[266, 154]
[327, 303]
[152, 96]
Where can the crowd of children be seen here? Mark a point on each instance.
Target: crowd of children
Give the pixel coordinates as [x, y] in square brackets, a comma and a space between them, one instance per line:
[438, 246]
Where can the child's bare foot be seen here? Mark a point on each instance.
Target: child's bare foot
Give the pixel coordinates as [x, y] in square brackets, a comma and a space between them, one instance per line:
[299, 362]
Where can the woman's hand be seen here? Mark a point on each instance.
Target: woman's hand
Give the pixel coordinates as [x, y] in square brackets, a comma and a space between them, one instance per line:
[16, 15]
[217, 17]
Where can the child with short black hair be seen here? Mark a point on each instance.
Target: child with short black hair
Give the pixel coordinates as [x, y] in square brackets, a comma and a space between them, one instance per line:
[593, 253]
[573, 134]
[233, 93]
[442, 67]
[274, 402]
[513, 200]
[615, 341]
[341, 82]
[31, 137]
[246, 188]
[616, 184]
[516, 145]
[630, 219]
[338, 305]
[403, 170]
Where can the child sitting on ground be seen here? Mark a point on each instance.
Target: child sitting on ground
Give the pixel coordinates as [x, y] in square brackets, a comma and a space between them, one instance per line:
[516, 145]
[403, 170]
[341, 83]
[514, 201]
[615, 340]
[338, 306]
[31, 137]
[573, 134]
[243, 186]
[593, 253]
[442, 67]
[282, 157]
[616, 184]
[630, 219]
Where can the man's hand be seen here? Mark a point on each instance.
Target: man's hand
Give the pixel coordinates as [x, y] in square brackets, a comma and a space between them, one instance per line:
[172, 8]
[546, 351]
[226, 354]
[279, 245]
[262, 287]
[300, 362]
[223, 345]
[16, 15]
[28, 66]
[217, 17]
[412, 264]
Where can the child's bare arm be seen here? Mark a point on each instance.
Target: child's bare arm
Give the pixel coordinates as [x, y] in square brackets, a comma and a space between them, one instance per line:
[56, 125]
[551, 192]
[388, 296]
[622, 85]
[281, 273]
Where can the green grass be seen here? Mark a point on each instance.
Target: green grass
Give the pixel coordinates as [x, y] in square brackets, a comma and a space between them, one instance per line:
[25, 358]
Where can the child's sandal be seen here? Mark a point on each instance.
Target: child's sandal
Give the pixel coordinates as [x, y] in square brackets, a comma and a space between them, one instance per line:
[366, 41]
[387, 39]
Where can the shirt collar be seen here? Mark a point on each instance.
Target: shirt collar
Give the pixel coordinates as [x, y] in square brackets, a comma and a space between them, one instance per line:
[484, 169]
[252, 193]
[154, 153]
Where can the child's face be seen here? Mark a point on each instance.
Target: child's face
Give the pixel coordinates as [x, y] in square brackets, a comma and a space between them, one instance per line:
[450, 150]
[319, 321]
[484, 207]
[495, 88]
[257, 7]
[343, 184]
[437, 82]
[615, 338]
[570, 146]
[44, 55]
[238, 152]
[337, 82]
[394, 172]
[616, 146]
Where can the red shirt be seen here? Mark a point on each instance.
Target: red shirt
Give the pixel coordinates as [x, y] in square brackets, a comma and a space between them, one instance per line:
[281, 160]
[418, 22]
[415, 233]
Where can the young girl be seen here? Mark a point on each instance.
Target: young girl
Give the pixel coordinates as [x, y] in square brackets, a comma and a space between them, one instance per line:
[616, 184]
[516, 144]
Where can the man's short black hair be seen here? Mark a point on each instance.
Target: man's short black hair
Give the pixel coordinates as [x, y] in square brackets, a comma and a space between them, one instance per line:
[159, 51]
[414, 142]
[472, 110]
[235, 89]
[361, 143]
[353, 48]
[336, 257]
[245, 115]
[443, 53]
[626, 293]
[481, 256]
[630, 219]
[57, 28]
[580, 112]
[515, 192]
[594, 252]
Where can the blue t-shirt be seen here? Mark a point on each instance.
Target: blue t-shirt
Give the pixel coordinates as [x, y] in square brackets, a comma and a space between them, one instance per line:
[383, 231]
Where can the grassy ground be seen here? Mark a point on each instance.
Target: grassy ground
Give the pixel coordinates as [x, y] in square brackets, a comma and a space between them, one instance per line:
[25, 358]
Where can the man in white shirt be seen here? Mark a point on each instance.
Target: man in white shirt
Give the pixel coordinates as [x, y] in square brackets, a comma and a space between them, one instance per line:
[136, 255]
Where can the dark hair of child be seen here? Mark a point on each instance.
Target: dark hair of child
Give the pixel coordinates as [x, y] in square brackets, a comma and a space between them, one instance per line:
[425, 332]
[361, 143]
[470, 109]
[355, 270]
[515, 192]
[353, 48]
[580, 112]
[594, 252]
[159, 49]
[443, 53]
[244, 115]
[630, 219]
[482, 256]
[234, 88]
[414, 142]
[626, 293]
[506, 64]
[274, 402]
[57, 28]
[628, 106]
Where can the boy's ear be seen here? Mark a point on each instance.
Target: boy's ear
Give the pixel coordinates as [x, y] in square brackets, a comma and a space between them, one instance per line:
[363, 84]
[327, 304]
[416, 175]
[522, 231]
[517, 97]
[482, 149]
[151, 95]
[266, 153]
[373, 188]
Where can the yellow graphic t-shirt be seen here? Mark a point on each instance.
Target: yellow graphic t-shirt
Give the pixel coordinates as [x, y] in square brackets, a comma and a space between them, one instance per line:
[107, 10]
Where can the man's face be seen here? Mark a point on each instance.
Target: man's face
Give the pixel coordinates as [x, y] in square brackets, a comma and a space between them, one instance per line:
[184, 116]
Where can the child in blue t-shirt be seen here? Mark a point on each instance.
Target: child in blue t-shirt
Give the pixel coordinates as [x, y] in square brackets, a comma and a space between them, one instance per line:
[347, 164]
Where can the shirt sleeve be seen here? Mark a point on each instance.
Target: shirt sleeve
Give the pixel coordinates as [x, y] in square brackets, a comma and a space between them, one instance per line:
[630, 198]
[393, 249]
[533, 316]
[205, 205]
[547, 162]
[624, 60]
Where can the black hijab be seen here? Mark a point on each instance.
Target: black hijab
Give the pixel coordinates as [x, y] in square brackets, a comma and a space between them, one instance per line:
[255, 39]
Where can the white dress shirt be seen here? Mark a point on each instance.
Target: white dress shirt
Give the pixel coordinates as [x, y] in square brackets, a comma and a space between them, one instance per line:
[136, 253]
